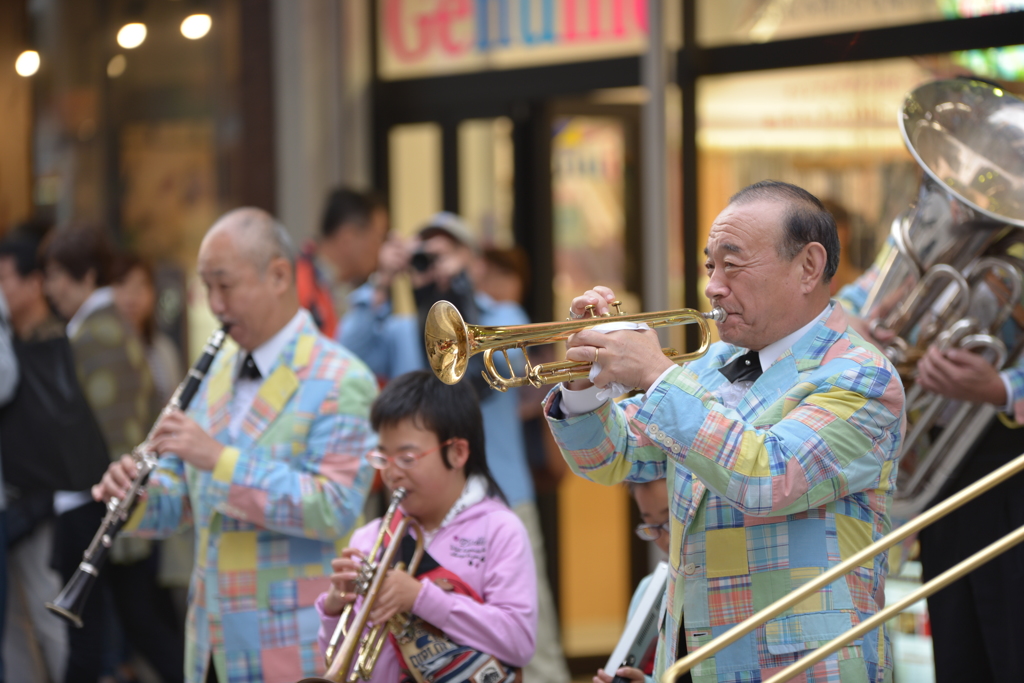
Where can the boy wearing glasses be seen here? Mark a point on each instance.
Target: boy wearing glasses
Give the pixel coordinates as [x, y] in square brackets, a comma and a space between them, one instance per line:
[474, 599]
[652, 500]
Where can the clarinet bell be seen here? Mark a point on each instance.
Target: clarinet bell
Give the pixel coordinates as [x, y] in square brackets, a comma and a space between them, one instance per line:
[70, 603]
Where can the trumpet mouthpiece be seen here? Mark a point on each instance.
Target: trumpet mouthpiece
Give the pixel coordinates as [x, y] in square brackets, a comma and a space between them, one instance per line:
[717, 314]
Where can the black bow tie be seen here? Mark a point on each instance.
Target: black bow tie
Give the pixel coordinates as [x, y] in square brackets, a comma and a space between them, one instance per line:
[746, 368]
[249, 369]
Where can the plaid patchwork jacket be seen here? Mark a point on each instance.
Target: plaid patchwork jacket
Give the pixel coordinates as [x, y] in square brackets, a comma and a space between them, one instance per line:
[764, 497]
[277, 508]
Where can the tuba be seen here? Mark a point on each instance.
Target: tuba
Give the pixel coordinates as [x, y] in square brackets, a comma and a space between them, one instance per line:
[952, 272]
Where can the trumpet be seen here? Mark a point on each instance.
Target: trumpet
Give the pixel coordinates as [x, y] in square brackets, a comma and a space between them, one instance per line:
[451, 342]
[70, 602]
[356, 655]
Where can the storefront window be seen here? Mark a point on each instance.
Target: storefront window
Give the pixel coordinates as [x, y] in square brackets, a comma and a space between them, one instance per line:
[731, 22]
[415, 167]
[486, 174]
[830, 129]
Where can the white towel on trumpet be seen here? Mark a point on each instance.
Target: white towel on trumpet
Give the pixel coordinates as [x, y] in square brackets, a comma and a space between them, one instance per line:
[614, 388]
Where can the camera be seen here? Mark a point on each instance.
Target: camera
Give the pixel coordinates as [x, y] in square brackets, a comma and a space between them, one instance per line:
[421, 261]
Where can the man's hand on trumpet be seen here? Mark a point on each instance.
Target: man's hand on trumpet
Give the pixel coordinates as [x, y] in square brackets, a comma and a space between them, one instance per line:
[631, 358]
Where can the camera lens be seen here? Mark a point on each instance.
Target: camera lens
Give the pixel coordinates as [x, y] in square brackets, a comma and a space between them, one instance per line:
[422, 260]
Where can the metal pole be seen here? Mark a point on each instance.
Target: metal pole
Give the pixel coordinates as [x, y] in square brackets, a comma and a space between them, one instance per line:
[654, 196]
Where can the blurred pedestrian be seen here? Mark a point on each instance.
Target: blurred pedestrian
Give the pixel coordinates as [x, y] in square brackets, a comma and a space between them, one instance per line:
[112, 370]
[504, 275]
[135, 298]
[8, 382]
[352, 230]
[35, 647]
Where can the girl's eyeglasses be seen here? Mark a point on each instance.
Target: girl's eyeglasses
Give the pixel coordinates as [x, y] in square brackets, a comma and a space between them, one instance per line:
[403, 459]
[650, 532]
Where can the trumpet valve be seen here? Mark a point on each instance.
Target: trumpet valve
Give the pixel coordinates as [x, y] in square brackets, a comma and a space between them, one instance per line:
[492, 383]
[618, 307]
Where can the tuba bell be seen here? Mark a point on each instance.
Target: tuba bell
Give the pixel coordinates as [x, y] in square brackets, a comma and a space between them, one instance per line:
[952, 272]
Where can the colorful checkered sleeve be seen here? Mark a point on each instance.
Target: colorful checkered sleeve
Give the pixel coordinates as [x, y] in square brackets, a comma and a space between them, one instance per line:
[1015, 378]
[602, 447]
[165, 509]
[854, 295]
[820, 441]
[316, 493]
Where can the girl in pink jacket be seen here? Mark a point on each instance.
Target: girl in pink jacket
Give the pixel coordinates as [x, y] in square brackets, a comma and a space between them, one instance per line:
[474, 601]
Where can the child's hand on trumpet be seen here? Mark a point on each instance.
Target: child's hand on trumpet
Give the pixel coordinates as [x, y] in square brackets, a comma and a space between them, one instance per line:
[343, 581]
[397, 595]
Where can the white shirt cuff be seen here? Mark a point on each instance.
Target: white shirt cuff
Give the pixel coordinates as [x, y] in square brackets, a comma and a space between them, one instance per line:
[1008, 408]
[580, 402]
[650, 389]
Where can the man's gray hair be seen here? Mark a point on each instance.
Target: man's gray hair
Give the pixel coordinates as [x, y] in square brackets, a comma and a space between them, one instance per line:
[283, 245]
[806, 221]
[262, 237]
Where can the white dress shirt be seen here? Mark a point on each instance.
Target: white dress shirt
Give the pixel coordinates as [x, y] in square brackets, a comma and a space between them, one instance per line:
[585, 400]
[104, 296]
[264, 356]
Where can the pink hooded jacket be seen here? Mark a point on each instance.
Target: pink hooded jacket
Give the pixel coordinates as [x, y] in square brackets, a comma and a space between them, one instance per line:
[487, 547]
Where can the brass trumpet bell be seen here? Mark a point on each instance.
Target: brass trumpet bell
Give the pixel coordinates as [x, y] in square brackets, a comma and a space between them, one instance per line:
[450, 343]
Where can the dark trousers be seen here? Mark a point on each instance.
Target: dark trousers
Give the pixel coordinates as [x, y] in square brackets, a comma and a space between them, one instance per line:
[978, 621]
[3, 581]
[126, 592]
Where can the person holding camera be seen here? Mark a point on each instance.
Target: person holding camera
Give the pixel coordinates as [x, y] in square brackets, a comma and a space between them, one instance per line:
[438, 262]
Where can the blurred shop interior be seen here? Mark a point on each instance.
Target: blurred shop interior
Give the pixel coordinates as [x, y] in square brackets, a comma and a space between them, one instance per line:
[601, 136]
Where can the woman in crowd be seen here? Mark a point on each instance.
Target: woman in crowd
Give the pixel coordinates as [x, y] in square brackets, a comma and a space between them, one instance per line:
[112, 370]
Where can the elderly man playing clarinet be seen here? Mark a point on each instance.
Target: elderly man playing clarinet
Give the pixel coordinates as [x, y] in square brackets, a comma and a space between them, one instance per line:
[268, 465]
[779, 445]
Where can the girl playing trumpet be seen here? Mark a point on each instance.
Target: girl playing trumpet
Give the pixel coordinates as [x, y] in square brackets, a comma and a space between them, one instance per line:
[474, 593]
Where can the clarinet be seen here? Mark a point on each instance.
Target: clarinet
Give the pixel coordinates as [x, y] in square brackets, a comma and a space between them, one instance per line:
[70, 603]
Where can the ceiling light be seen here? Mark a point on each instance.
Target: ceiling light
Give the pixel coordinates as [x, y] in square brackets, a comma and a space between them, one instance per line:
[131, 35]
[116, 66]
[27, 63]
[196, 26]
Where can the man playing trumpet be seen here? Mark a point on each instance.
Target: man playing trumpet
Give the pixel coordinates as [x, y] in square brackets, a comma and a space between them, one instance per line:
[268, 465]
[779, 445]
